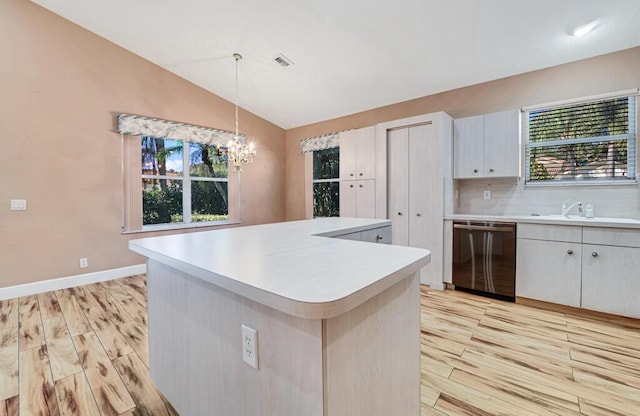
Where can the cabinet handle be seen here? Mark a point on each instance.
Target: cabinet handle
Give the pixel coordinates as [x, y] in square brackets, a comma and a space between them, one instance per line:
[569, 251]
[351, 174]
[378, 237]
[418, 215]
[399, 213]
[491, 170]
[360, 185]
[475, 171]
[361, 174]
[594, 254]
[351, 186]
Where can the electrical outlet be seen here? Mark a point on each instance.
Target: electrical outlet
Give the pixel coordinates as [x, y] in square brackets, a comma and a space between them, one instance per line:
[84, 263]
[487, 195]
[250, 346]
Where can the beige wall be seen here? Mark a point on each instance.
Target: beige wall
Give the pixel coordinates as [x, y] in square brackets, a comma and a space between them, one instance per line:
[607, 73]
[59, 88]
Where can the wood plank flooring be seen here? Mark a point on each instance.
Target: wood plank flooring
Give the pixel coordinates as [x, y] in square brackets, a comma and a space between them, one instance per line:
[78, 351]
[486, 357]
[83, 351]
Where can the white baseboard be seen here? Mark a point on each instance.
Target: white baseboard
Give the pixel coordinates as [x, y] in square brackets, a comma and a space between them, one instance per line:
[70, 281]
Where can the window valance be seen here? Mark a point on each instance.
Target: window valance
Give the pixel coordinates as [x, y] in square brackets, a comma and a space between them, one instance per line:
[325, 141]
[146, 126]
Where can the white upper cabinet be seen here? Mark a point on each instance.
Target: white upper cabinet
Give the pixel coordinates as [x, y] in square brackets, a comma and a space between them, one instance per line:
[357, 154]
[487, 146]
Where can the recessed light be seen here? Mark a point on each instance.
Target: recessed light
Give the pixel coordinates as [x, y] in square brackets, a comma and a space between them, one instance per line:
[585, 28]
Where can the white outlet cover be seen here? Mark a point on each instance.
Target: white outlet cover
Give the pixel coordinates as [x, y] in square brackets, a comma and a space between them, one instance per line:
[250, 346]
[18, 205]
[487, 194]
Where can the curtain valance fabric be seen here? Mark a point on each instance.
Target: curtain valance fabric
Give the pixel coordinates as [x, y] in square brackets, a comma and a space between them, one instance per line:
[146, 126]
[326, 141]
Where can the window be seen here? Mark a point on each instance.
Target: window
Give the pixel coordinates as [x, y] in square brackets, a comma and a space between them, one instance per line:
[326, 184]
[587, 142]
[172, 193]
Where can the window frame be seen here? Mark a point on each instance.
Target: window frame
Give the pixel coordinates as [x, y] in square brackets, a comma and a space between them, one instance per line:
[631, 137]
[186, 180]
[327, 180]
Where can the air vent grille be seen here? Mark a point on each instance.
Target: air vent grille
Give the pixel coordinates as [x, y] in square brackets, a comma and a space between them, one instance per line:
[283, 61]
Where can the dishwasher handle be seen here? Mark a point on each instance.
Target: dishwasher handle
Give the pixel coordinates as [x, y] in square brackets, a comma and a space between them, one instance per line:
[508, 229]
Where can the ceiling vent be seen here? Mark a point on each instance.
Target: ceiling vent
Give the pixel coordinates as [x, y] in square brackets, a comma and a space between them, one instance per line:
[283, 61]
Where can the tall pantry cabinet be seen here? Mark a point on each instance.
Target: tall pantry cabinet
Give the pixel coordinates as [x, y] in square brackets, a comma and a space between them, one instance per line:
[357, 173]
[419, 185]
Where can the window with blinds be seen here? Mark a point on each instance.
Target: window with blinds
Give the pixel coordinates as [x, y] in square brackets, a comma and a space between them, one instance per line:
[587, 142]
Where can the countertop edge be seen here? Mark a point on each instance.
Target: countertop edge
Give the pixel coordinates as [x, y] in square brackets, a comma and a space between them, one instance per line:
[294, 307]
[527, 219]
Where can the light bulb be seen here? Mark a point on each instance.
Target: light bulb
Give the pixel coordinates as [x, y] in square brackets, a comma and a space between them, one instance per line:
[585, 28]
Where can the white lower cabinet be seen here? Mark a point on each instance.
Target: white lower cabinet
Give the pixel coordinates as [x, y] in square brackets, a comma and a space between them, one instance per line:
[358, 199]
[597, 269]
[548, 271]
[380, 235]
[611, 279]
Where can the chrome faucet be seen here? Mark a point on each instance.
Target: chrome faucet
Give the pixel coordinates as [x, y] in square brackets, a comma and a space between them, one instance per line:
[568, 205]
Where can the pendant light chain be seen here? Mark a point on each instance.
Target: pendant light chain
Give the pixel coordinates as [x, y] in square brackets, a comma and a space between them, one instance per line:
[239, 152]
[237, 56]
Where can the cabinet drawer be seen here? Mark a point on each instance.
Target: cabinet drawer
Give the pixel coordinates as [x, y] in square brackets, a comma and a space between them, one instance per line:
[567, 233]
[611, 236]
[350, 236]
[377, 235]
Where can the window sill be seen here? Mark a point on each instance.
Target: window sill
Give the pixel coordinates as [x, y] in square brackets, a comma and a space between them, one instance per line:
[581, 184]
[171, 227]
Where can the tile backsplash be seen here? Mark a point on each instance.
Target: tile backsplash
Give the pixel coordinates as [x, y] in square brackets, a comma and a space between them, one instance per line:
[509, 196]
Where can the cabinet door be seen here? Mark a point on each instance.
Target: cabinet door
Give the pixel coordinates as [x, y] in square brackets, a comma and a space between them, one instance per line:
[348, 154]
[610, 281]
[348, 199]
[365, 199]
[365, 153]
[468, 147]
[548, 271]
[502, 144]
[398, 189]
[420, 188]
[380, 235]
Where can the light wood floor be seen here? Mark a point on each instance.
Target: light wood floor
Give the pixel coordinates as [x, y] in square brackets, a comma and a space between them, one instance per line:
[486, 357]
[83, 351]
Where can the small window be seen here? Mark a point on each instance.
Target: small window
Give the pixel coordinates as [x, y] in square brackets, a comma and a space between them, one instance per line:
[172, 193]
[585, 143]
[326, 184]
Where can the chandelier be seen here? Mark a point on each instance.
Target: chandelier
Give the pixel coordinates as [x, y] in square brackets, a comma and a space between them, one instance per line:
[239, 152]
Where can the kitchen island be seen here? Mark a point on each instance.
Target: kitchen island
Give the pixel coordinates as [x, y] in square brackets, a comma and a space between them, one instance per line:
[337, 320]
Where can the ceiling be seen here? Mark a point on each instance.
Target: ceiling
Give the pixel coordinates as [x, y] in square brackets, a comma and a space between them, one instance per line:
[351, 55]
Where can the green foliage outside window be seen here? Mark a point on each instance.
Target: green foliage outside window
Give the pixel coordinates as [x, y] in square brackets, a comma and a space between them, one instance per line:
[326, 187]
[594, 140]
[164, 176]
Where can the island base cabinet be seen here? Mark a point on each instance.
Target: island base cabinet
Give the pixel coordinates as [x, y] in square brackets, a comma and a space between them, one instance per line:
[548, 271]
[610, 279]
[365, 361]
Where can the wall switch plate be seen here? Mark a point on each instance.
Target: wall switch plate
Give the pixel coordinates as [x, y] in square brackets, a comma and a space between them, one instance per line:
[487, 195]
[250, 346]
[18, 205]
[84, 263]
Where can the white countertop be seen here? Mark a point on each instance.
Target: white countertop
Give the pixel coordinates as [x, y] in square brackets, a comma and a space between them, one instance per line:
[290, 266]
[551, 219]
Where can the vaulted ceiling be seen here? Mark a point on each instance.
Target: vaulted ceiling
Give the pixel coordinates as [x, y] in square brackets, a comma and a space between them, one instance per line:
[351, 55]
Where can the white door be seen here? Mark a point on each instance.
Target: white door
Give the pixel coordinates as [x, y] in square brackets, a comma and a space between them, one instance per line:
[420, 216]
[366, 199]
[468, 147]
[348, 199]
[348, 154]
[398, 184]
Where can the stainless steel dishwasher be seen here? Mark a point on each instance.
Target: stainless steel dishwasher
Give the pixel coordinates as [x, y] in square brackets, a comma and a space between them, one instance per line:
[484, 258]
